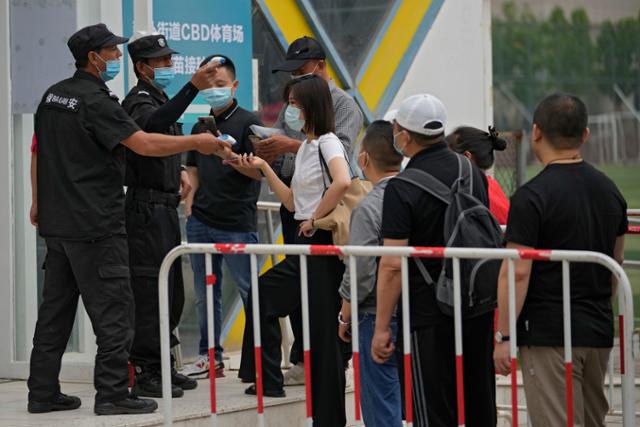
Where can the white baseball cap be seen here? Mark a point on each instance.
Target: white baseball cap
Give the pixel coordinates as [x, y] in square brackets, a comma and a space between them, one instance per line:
[391, 115]
[423, 113]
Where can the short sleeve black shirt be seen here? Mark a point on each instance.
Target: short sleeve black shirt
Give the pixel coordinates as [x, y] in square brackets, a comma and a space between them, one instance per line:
[571, 207]
[156, 173]
[225, 198]
[79, 125]
[411, 213]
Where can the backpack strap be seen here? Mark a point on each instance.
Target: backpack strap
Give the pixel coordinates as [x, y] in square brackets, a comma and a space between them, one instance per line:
[427, 183]
[464, 183]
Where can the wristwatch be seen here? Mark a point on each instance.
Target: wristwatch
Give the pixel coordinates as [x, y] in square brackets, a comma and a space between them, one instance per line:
[501, 338]
[341, 321]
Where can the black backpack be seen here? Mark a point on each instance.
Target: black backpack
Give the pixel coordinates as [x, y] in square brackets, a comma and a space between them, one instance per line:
[468, 223]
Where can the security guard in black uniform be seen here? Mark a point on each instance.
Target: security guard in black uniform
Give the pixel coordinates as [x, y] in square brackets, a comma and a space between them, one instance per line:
[81, 132]
[153, 194]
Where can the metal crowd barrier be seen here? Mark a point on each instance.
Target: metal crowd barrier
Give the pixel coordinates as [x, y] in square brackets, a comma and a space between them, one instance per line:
[625, 317]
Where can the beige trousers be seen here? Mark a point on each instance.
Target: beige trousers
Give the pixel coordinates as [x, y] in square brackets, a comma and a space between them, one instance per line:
[544, 385]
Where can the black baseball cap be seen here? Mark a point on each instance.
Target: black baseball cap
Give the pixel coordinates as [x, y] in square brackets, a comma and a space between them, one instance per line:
[152, 46]
[90, 38]
[299, 53]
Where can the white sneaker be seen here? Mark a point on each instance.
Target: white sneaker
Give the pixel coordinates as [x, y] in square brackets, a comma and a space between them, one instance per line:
[199, 368]
[295, 375]
[348, 379]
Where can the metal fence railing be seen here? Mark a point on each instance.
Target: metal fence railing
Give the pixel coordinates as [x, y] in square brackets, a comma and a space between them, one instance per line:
[625, 317]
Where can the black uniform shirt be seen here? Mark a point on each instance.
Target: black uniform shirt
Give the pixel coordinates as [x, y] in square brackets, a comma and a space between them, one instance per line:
[79, 125]
[225, 198]
[157, 173]
[410, 213]
[571, 207]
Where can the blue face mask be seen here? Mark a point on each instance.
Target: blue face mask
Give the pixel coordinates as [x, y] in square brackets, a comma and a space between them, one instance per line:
[217, 97]
[112, 70]
[292, 118]
[163, 76]
[395, 145]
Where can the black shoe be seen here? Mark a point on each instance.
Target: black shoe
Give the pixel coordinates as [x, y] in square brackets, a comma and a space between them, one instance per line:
[269, 393]
[61, 402]
[130, 405]
[183, 381]
[150, 385]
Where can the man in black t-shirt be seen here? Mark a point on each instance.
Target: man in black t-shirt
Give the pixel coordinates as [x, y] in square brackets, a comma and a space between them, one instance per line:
[82, 132]
[570, 205]
[413, 217]
[222, 207]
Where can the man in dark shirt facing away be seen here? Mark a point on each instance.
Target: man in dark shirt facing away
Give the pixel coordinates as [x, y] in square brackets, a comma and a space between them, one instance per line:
[570, 205]
[415, 218]
[222, 208]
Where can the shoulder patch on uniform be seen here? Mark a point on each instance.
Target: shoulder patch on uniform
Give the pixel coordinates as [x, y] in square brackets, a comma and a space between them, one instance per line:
[144, 92]
[63, 102]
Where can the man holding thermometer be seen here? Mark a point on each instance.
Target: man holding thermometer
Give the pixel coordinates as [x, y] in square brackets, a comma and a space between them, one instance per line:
[222, 207]
[155, 186]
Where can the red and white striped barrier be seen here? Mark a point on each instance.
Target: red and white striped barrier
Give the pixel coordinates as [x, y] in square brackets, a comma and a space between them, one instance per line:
[625, 317]
[210, 281]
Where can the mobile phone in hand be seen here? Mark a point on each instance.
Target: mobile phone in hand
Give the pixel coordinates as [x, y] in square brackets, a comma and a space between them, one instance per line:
[210, 124]
[255, 142]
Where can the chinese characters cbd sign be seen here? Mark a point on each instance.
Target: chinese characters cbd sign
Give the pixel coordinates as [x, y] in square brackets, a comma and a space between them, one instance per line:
[199, 28]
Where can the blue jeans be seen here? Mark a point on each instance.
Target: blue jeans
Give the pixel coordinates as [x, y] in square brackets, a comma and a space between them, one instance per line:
[239, 265]
[380, 386]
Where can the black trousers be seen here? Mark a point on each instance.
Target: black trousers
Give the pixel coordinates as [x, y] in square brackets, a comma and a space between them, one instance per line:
[434, 374]
[279, 297]
[153, 230]
[99, 272]
[289, 230]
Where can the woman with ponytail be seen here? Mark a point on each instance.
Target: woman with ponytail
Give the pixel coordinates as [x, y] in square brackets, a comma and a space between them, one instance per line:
[479, 146]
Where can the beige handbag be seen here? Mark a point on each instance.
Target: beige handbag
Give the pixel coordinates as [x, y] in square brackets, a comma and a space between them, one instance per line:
[337, 221]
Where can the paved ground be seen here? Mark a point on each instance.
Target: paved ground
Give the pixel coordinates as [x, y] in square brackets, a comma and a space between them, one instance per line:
[195, 405]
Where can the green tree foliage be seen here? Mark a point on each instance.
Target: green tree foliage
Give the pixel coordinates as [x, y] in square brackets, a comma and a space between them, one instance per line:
[533, 57]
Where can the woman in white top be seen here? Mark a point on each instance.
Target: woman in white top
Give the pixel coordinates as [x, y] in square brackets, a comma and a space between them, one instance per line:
[312, 195]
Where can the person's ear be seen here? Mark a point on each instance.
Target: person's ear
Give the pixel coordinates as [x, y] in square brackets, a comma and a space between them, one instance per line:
[234, 86]
[92, 58]
[142, 69]
[585, 135]
[468, 155]
[536, 134]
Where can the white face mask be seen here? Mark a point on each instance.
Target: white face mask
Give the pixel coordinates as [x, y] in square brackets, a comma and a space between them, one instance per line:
[301, 76]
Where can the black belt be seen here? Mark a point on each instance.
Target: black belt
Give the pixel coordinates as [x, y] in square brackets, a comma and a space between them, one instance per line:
[153, 196]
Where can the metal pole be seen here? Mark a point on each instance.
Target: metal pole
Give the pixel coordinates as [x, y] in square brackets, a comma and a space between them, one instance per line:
[355, 335]
[610, 375]
[513, 344]
[165, 347]
[457, 321]
[406, 338]
[627, 363]
[306, 341]
[210, 280]
[255, 302]
[568, 363]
